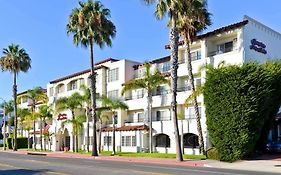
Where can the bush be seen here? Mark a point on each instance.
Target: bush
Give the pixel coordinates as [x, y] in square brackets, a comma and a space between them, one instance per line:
[213, 153]
[1, 136]
[21, 141]
[9, 143]
[241, 102]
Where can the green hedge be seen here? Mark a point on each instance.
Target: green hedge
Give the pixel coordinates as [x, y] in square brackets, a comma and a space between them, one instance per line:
[241, 102]
[21, 141]
[212, 153]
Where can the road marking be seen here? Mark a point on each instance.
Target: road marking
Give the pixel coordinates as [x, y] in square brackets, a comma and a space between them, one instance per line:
[36, 161]
[53, 172]
[193, 170]
[150, 172]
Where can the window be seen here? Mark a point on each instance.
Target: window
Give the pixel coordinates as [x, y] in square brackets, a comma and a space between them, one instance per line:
[72, 85]
[161, 90]
[139, 73]
[113, 74]
[107, 140]
[162, 116]
[60, 88]
[140, 116]
[225, 47]
[196, 55]
[24, 100]
[162, 140]
[113, 94]
[90, 140]
[190, 140]
[166, 66]
[191, 112]
[128, 141]
[198, 81]
[134, 143]
[51, 91]
[82, 81]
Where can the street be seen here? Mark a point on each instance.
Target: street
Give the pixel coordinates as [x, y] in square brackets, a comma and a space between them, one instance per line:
[15, 164]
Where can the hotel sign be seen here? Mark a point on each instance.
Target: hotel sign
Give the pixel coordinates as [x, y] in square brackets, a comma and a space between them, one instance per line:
[258, 46]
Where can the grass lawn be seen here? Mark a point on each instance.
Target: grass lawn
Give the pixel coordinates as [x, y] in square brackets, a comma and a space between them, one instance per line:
[37, 150]
[148, 155]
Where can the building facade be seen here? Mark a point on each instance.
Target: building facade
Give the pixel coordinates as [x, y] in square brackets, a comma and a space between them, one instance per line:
[238, 43]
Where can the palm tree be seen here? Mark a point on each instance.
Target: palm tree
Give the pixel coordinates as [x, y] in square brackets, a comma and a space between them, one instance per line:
[8, 108]
[171, 7]
[192, 20]
[77, 124]
[100, 118]
[45, 113]
[90, 25]
[15, 60]
[149, 82]
[113, 105]
[72, 103]
[35, 96]
[87, 104]
[28, 127]
[22, 114]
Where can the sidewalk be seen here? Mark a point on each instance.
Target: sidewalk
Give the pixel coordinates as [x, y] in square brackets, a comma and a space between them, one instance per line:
[197, 163]
[263, 164]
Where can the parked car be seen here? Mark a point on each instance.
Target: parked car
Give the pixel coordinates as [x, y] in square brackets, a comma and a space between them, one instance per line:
[274, 147]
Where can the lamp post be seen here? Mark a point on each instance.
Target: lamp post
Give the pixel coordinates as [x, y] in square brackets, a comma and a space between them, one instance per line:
[4, 125]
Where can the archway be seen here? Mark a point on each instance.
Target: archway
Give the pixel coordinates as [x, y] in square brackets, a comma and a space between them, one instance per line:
[190, 140]
[162, 140]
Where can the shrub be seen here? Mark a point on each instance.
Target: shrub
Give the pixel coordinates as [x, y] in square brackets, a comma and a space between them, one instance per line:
[22, 142]
[9, 143]
[213, 153]
[241, 102]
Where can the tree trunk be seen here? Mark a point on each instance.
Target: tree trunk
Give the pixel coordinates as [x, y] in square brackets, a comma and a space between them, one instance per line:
[93, 100]
[113, 135]
[34, 135]
[73, 132]
[174, 40]
[197, 115]
[149, 112]
[100, 136]
[4, 125]
[15, 112]
[88, 130]
[76, 141]
[182, 142]
[41, 135]
[28, 140]
[44, 121]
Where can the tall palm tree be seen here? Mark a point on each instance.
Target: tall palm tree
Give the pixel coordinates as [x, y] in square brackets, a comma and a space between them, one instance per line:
[90, 25]
[9, 108]
[45, 113]
[113, 105]
[35, 96]
[72, 103]
[100, 118]
[149, 82]
[87, 105]
[15, 60]
[28, 127]
[171, 7]
[192, 20]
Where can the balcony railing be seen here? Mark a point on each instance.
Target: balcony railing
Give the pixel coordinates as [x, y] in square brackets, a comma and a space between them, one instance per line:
[184, 88]
[133, 97]
[162, 118]
[135, 120]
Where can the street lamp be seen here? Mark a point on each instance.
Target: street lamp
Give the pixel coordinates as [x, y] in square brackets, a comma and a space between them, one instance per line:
[4, 125]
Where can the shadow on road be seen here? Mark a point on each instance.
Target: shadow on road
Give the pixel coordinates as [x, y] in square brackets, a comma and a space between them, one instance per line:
[22, 172]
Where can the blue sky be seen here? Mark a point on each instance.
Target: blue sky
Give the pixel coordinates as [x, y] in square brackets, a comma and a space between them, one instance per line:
[39, 27]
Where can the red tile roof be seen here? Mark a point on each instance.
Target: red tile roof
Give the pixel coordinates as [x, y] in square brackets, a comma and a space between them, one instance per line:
[217, 31]
[97, 66]
[126, 128]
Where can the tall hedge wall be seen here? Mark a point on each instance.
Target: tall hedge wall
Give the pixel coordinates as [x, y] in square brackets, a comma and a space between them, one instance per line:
[241, 102]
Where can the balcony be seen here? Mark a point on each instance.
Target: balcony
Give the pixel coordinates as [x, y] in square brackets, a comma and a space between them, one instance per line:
[134, 97]
[183, 88]
[162, 118]
[161, 92]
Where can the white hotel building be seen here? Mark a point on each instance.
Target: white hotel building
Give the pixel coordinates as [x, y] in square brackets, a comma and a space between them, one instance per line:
[237, 43]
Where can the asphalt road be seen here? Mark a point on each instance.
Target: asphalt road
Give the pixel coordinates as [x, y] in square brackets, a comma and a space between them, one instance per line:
[15, 164]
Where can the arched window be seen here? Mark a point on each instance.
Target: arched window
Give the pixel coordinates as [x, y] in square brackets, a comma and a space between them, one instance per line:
[190, 140]
[162, 140]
